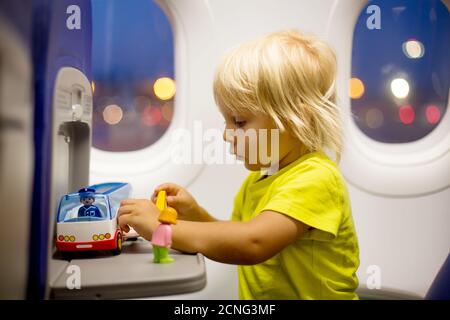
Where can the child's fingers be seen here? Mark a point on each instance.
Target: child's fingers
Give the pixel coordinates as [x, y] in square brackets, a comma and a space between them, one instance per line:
[125, 229]
[170, 188]
[127, 201]
[126, 209]
[124, 221]
[172, 200]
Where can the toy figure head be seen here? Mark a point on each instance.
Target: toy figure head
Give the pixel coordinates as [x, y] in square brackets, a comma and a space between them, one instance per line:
[168, 215]
[87, 196]
[87, 201]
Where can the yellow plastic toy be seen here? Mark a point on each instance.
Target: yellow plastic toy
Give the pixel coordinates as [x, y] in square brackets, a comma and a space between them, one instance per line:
[161, 203]
[162, 236]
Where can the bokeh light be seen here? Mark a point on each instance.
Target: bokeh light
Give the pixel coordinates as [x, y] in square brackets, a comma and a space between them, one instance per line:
[356, 88]
[406, 114]
[164, 88]
[167, 112]
[413, 49]
[400, 88]
[433, 114]
[112, 114]
[374, 118]
[151, 116]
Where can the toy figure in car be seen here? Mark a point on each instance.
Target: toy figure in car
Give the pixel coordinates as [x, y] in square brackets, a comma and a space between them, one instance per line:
[87, 198]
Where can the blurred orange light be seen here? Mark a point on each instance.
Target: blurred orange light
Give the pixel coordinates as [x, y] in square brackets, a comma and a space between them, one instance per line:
[356, 89]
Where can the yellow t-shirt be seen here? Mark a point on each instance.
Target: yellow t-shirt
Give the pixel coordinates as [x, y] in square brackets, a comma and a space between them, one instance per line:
[322, 263]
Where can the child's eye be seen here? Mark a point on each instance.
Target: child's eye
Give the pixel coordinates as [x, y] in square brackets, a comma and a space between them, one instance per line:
[240, 123]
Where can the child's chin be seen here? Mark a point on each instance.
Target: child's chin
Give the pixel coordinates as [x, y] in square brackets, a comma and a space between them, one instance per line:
[252, 167]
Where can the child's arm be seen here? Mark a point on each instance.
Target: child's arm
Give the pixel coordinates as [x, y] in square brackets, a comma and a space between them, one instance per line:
[201, 215]
[232, 242]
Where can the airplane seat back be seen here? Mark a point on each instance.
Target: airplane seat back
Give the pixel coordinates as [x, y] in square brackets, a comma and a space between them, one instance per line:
[62, 33]
[440, 288]
[16, 145]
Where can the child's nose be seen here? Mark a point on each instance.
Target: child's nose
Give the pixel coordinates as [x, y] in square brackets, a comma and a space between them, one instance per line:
[227, 136]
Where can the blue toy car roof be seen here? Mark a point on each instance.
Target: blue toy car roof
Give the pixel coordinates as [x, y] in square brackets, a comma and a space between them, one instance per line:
[104, 188]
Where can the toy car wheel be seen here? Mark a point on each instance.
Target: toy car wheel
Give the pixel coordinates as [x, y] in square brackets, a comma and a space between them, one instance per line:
[118, 248]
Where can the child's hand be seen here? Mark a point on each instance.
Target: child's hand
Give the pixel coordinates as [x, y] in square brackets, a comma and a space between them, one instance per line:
[141, 214]
[179, 199]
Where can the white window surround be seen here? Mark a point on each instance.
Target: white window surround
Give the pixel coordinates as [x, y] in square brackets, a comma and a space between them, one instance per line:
[404, 169]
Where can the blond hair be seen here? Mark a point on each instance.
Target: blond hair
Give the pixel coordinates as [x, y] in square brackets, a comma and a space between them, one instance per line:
[289, 77]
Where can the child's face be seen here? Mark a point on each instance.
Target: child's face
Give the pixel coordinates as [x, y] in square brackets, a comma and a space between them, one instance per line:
[251, 150]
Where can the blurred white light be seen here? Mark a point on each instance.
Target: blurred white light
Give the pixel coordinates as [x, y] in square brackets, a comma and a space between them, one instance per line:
[413, 49]
[400, 88]
[112, 114]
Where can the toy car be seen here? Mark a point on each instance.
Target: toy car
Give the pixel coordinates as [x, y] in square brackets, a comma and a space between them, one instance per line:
[87, 219]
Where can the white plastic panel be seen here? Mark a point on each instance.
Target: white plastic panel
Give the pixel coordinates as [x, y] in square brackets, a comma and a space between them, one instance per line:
[71, 135]
[71, 142]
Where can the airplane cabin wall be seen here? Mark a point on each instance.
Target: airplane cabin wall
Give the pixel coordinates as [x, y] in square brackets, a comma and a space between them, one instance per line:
[406, 237]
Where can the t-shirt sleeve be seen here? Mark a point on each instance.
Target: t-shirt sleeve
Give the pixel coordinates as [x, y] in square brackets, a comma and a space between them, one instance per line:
[311, 195]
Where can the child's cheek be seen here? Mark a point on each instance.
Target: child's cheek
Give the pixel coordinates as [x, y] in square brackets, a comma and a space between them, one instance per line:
[241, 141]
[240, 150]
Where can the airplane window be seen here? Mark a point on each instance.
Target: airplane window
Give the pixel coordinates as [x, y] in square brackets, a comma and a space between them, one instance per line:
[133, 74]
[400, 69]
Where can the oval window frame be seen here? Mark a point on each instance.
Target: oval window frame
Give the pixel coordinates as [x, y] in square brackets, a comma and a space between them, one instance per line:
[152, 164]
[405, 169]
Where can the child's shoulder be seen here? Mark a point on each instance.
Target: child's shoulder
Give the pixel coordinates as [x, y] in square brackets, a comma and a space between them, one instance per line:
[316, 167]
